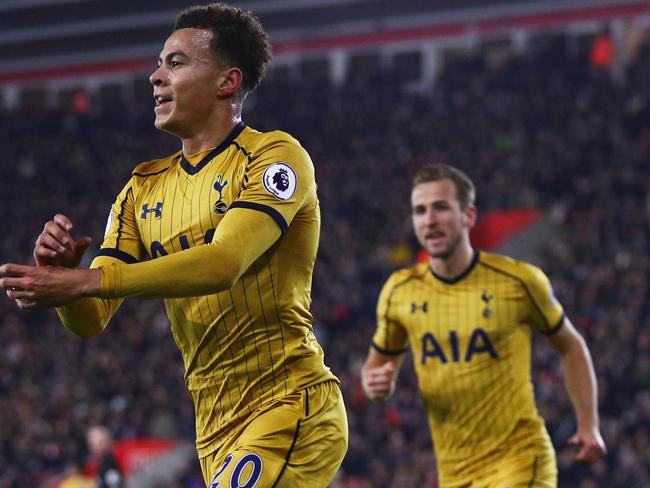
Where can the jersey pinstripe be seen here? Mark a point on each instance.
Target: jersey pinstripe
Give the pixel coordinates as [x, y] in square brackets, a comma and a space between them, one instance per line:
[252, 344]
[471, 345]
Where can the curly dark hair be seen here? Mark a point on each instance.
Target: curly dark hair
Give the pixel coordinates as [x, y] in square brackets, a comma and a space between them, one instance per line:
[239, 38]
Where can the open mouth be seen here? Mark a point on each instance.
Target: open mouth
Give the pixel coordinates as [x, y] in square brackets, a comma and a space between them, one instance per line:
[162, 101]
[434, 235]
[435, 238]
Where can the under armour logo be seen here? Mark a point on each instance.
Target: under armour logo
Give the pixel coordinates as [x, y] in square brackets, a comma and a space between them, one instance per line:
[424, 307]
[157, 210]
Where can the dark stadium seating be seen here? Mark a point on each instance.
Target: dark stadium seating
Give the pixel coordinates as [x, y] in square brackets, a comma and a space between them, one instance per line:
[544, 130]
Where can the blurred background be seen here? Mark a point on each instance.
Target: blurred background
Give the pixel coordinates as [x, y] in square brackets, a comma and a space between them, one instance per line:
[545, 104]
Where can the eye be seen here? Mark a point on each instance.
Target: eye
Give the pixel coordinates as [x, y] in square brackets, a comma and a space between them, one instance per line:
[441, 206]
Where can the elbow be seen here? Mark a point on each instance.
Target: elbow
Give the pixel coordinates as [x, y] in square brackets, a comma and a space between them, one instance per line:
[229, 281]
[225, 282]
[229, 275]
[85, 318]
[85, 331]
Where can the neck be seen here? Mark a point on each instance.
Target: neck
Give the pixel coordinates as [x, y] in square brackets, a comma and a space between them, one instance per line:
[455, 263]
[212, 132]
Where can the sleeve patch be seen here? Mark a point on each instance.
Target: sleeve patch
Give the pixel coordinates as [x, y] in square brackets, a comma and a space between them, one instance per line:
[280, 180]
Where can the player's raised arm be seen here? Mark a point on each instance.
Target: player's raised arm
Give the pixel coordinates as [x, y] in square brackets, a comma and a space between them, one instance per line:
[580, 383]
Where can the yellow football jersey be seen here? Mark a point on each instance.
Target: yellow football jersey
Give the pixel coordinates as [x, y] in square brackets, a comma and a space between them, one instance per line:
[471, 344]
[252, 344]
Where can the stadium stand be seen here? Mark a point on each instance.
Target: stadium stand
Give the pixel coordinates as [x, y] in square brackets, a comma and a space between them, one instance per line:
[545, 129]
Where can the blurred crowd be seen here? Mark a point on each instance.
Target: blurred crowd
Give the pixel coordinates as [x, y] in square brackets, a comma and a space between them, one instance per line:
[545, 129]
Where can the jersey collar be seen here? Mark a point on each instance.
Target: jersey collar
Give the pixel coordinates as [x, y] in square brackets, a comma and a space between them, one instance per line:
[453, 281]
[192, 170]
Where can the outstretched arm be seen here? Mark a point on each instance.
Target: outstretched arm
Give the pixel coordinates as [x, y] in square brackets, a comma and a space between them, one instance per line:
[55, 246]
[580, 382]
[242, 236]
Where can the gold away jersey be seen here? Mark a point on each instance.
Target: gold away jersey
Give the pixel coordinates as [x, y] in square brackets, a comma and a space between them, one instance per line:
[252, 344]
[471, 345]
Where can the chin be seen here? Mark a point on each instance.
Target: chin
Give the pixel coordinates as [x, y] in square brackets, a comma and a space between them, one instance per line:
[160, 124]
[167, 126]
[439, 252]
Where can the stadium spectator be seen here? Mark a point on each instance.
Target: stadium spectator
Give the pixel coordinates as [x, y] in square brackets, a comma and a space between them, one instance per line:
[100, 445]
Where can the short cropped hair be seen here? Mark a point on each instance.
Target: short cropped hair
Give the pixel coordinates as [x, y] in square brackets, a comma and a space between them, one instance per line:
[238, 39]
[465, 189]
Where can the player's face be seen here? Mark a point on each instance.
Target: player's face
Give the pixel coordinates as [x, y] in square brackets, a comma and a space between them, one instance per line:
[440, 224]
[185, 83]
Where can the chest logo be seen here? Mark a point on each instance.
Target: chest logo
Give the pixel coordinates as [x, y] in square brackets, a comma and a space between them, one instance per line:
[455, 349]
[487, 313]
[280, 180]
[157, 210]
[220, 206]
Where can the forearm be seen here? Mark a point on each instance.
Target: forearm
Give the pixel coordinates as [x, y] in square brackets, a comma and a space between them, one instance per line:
[580, 383]
[197, 271]
[201, 270]
[87, 317]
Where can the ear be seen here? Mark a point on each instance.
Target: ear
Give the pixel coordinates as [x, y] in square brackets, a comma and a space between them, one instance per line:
[470, 217]
[229, 82]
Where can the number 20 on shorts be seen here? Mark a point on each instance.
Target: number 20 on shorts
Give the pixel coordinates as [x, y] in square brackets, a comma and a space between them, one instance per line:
[249, 463]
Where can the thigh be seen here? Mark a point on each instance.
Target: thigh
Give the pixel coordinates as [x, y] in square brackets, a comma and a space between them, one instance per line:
[322, 441]
[300, 441]
[529, 469]
[255, 455]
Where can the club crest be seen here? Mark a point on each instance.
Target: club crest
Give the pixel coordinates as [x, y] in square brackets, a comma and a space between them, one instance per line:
[220, 206]
[487, 312]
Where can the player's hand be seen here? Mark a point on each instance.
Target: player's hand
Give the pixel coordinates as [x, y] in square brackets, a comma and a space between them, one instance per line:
[56, 247]
[47, 286]
[379, 382]
[590, 444]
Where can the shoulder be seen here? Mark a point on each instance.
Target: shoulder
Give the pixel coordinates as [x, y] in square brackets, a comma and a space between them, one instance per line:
[256, 139]
[404, 276]
[155, 166]
[274, 144]
[523, 271]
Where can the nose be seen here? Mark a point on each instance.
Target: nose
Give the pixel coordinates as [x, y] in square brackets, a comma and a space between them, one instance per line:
[156, 78]
[430, 216]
